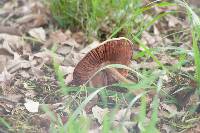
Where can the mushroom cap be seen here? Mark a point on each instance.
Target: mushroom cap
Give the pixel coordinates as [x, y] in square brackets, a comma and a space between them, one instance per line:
[112, 51]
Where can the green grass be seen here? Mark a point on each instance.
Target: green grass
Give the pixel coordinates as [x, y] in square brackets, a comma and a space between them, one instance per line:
[4, 123]
[96, 16]
[195, 31]
[105, 18]
[119, 16]
[74, 124]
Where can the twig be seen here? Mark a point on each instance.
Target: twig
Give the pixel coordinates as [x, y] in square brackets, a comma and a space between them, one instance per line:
[10, 30]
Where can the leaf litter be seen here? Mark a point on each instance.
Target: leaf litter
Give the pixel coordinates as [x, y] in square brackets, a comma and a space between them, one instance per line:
[28, 79]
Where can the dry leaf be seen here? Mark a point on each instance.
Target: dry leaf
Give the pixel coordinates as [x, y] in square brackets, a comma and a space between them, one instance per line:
[64, 50]
[15, 65]
[91, 104]
[31, 106]
[59, 37]
[66, 69]
[173, 21]
[121, 115]
[72, 59]
[38, 33]
[69, 78]
[167, 129]
[96, 130]
[194, 2]
[30, 93]
[172, 110]
[90, 47]
[14, 42]
[16, 98]
[32, 20]
[37, 72]
[99, 113]
[147, 38]
[79, 37]
[5, 75]
[71, 42]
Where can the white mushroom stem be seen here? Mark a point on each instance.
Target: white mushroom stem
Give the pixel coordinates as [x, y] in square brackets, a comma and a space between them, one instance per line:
[121, 78]
[118, 76]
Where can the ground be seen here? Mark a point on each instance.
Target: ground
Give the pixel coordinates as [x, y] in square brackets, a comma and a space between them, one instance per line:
[38, 57]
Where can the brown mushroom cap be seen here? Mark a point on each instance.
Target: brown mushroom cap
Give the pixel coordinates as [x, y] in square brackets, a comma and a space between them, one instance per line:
[113, 51]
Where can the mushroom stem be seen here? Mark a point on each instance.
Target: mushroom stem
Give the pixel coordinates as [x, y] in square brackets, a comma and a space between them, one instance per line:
[118, 76]
[121, 78]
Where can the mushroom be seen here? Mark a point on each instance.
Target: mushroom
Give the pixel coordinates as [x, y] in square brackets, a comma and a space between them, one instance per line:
[113, 51]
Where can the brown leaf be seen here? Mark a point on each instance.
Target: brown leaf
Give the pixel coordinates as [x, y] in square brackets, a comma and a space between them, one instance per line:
[173, 21]
[79, 37]
[38, 33]
[15, 65]
[69, 78]
[99, 113]
[194, 2]
[151, 40]
[40, 58]
[14, 42]
[10, 30]
[90, 47]
[64, 50]
[31, 105]
[59, 37]
[3, 61]
[37, 72]
[5, 76]
[91, 104]
[32, 20]
[71, 42]
[121, 115]
[66, 69]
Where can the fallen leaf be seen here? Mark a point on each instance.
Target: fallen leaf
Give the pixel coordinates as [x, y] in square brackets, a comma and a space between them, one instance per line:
[3, 61]
[167, 129]
[194, 2]
[91, 104]
[16, 98]
[71, 42]
[5, 75]
[59, 37]
[147, 38]
[32, 20]
[120, 115]
[79, 37]
[151, 40]
[38, 33]
[69, 78]
[173, 21]
[24, 74]
[66, 69]
[99, 113]
[90, 47]
[64, 50]
[96, 130]
[37, 72]
[171, 109]
[30, 93]
[40, 58]
[31, 106]
[14, 42]
[15, 65]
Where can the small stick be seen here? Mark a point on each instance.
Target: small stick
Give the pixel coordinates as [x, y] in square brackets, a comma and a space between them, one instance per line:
[10, 30]
[7, 99]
